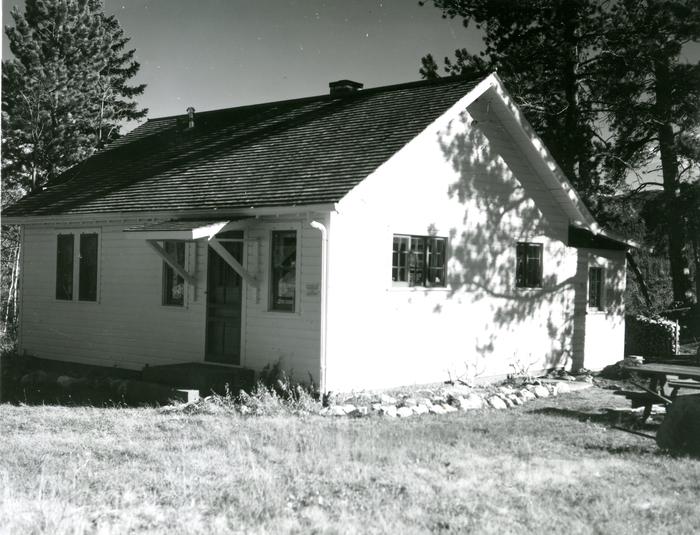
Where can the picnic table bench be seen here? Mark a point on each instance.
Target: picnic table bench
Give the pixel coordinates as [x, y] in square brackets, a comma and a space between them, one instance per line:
[687, 377]
[676, 385]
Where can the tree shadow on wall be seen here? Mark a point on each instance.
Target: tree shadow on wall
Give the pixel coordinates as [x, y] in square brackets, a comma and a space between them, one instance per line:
[505, 202]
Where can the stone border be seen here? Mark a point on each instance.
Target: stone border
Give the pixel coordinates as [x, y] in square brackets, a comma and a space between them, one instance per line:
[452, 399]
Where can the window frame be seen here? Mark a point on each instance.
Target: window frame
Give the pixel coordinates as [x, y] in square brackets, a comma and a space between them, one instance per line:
[522, 282]
[167, 269]
[297, 270]
[427, 255]
[77, 233]
[600, 307]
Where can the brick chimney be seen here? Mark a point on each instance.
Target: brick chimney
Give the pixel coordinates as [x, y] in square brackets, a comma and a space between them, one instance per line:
[344, 88]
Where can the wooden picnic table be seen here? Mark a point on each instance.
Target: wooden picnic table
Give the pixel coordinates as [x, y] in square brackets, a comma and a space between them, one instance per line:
[660, 370]
[658, 374]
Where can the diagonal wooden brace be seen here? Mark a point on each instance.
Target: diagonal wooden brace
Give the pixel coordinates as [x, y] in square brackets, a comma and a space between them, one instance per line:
[231, 261]
[172, 262]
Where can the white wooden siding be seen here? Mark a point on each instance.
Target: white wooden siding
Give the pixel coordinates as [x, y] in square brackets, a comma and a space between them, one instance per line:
[603, 338]
[292, 338]
[129, 327]
[470, 182]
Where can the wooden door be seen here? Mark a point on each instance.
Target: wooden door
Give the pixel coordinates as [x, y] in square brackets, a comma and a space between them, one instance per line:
[224, 302]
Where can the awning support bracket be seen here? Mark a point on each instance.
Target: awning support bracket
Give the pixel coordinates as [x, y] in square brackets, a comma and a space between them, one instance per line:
[231, 261]
[172, 262]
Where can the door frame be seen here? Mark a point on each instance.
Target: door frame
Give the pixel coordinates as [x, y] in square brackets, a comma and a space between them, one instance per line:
[244, 299]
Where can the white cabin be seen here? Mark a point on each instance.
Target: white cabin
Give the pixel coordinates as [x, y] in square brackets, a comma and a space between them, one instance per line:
[365, 239]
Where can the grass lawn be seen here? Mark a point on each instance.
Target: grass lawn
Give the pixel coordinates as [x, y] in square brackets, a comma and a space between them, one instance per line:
[550, 466]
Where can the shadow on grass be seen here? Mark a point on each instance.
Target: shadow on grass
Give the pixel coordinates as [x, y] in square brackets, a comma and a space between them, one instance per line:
[625, 421]
[627, 449]
[610, 417]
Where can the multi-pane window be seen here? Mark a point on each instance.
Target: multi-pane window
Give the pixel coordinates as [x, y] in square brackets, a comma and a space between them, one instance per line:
[419, 260]
[283, 278]
[174, 284]
[528, 266]
[595, 287]
[86, 262]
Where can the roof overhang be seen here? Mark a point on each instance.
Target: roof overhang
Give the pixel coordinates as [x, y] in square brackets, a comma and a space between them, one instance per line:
[206, 215]
[584, 231]
[590, 239]
[184, 230]
[555, 180]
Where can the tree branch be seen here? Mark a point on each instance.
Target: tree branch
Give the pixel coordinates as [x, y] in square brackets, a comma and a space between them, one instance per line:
[644, 185]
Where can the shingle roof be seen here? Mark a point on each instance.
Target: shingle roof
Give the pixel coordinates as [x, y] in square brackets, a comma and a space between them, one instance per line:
[289, 153]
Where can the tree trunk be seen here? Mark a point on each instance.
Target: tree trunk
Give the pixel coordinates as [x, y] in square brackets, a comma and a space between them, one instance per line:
[15, 281]
[669, 168]
[695, 241]
[571, 163]
[640, 279]
[11, 291]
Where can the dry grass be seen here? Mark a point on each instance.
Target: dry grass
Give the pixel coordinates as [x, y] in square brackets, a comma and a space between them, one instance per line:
[551, 466]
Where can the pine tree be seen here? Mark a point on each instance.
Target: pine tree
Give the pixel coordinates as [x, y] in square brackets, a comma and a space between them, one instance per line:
[545, 52]
[653, 109]
[66, 90]
[64, 94]
[603, 85]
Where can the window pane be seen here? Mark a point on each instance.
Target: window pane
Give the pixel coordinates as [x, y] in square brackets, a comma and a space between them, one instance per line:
[528, 265]
[87, 284]
[436, 264]
[534, 265]
[283, 280]
[416, 261]
[595, 287]
[64, 267]
[174, 284]
[399, 259]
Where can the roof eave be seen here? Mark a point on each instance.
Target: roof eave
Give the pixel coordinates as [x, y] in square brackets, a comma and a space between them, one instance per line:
[573, 199]
[585, 237]
[170, 214]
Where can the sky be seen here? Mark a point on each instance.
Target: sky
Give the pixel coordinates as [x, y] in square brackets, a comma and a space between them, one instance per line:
[213, 54]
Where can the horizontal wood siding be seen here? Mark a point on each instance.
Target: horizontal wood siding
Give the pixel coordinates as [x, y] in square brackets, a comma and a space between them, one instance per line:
[471, 183]
[128, 327]
[291, 338]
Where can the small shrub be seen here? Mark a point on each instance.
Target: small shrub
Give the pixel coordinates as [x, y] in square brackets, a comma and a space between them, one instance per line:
[283, 397]
[651, 336]
[8, 341]
[274, 394]
[273, 377]
[271, 374]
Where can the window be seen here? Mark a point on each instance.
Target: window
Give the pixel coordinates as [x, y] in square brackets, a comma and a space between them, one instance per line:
[418, 261]
[87, 282]
[86, 262]
[595, 287]
[174, 284]
[64, 267]
[284, 270]
[528, 269]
